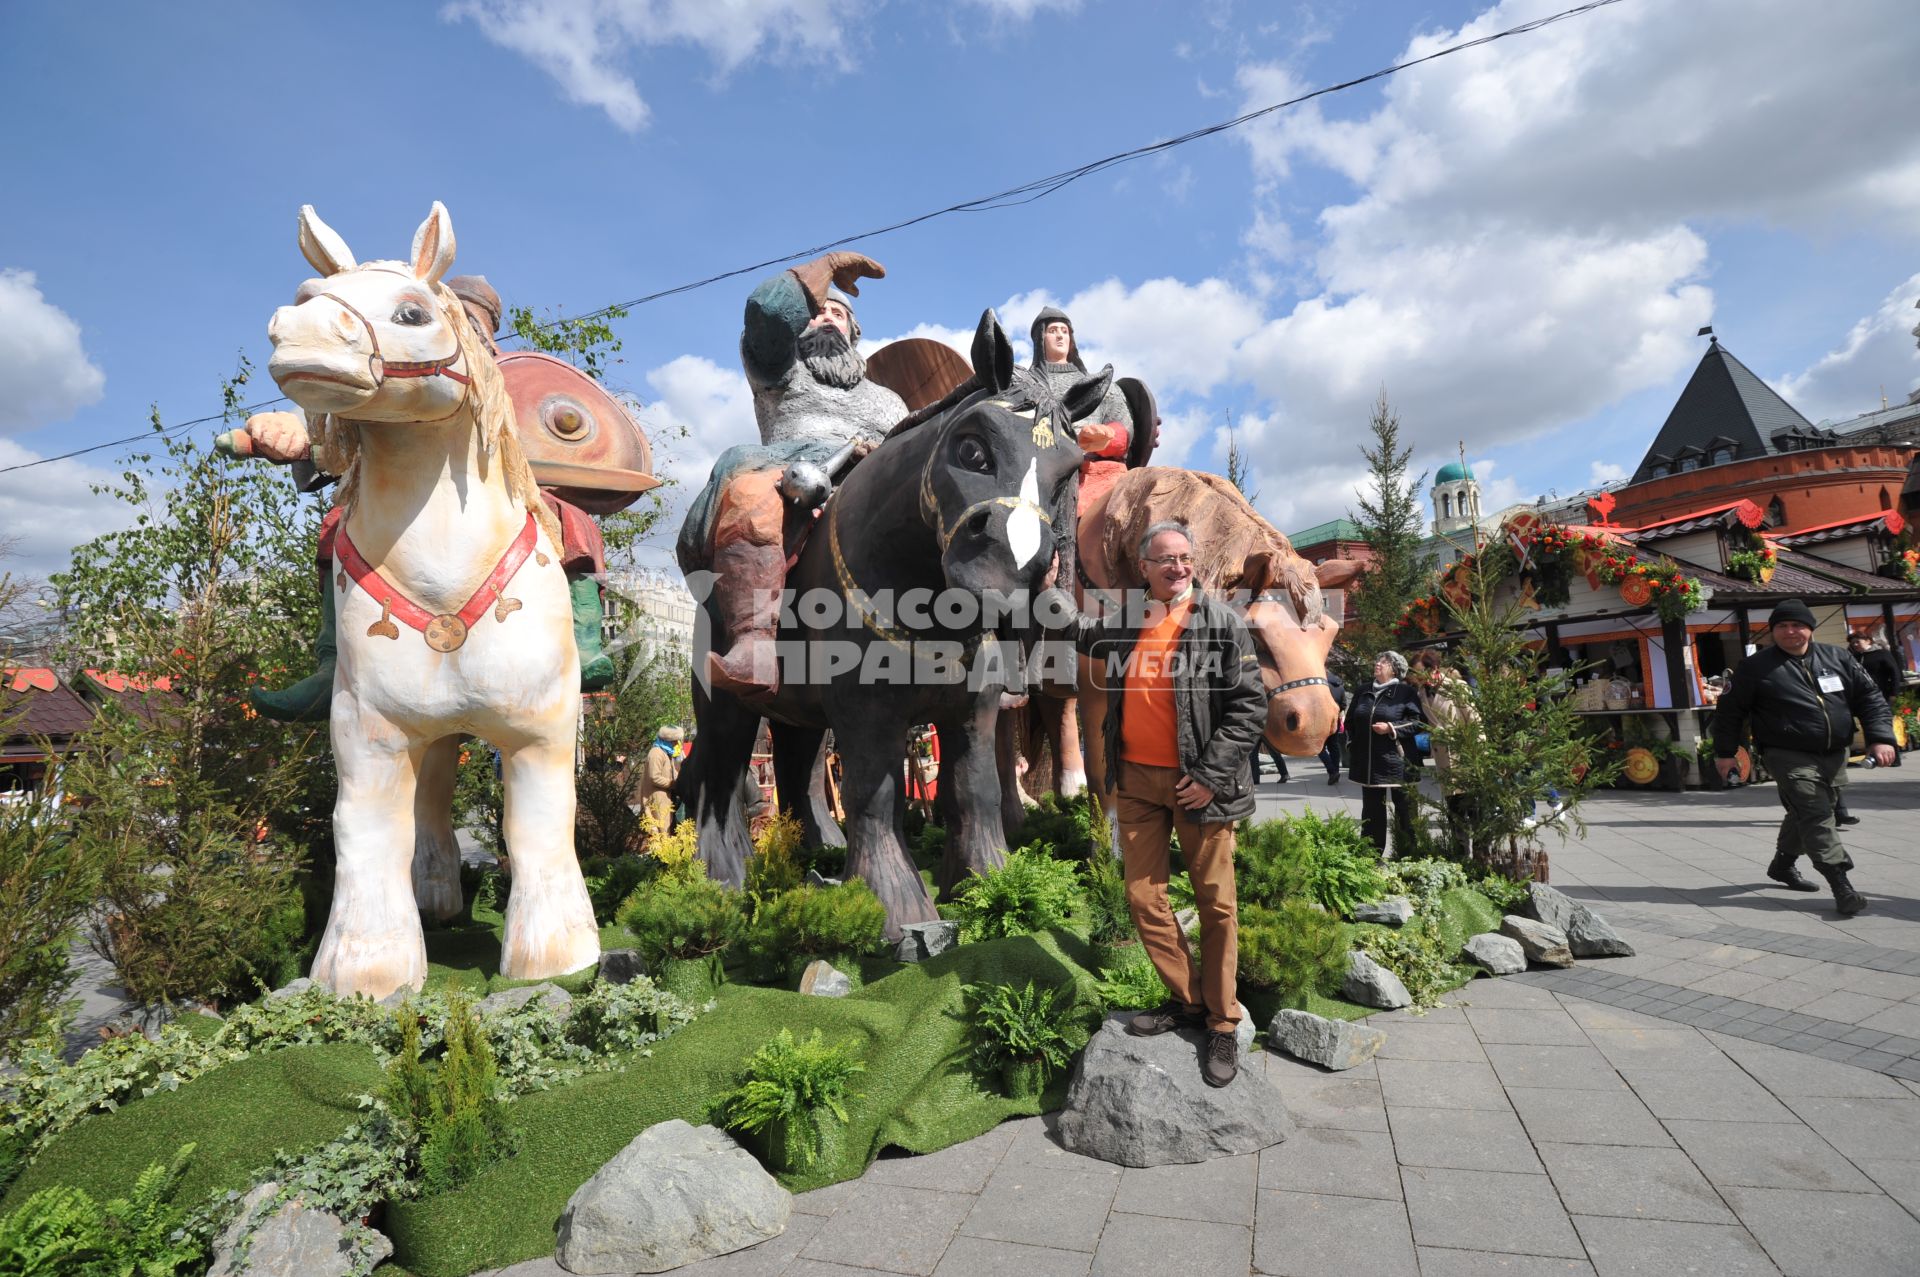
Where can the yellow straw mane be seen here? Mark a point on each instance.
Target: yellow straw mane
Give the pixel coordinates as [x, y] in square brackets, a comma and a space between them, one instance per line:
[336, 441]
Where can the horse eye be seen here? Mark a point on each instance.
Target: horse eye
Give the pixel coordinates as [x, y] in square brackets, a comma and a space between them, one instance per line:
[974, 456]
[411, 313]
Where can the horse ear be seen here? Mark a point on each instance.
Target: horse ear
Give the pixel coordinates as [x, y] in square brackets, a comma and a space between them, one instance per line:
[433, 245]
[322, 246]
[1083, 399]
[992, 353]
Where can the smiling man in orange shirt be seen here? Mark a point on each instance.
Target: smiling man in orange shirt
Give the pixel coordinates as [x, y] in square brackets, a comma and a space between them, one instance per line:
[1184, 708]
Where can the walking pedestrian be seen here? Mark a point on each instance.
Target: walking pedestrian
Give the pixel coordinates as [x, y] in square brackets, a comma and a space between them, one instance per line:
[1799, 698]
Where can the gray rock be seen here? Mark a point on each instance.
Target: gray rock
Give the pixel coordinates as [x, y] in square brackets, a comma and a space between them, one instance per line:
[398, 997]
[1540, 942]
[1590, 936]
[1555, 908]
[823, 980]
[817, 879]
[1372, 985]
[1143, 1102]
[291, 1239]
[1186, 919]
[1394, 912]
[1332, 1044]
[556, 998]
[922, 940]
[293, 987]
[620, 966]
[1243, 1033]
[676, 1195]
[1501, 955]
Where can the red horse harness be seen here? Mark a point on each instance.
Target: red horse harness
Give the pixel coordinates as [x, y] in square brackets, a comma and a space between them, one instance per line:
[448, 630]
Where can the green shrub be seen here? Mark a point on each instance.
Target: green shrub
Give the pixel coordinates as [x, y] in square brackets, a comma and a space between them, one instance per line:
[1130, 981]
[1021, 1028]
[454, 1113]
[1325, 859]
[1295, 949]
[608, 1018]
[1063, 826]
[1417, 953]
[788, 1093]
[775, 864]
[47, 884]
[611, 881]
[928, 847]
[1108, 916]
[1424, 881]
[684, 916]
[1506, 895]
[1030, 892]
[816, 921]
[63, 1232]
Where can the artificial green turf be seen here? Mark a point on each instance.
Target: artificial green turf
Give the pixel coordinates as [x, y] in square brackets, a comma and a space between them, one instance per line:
[1464, 914]
[236, 1117]
[917, 1093]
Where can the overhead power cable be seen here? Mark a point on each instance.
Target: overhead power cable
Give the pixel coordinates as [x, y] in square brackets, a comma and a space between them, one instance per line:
[1012, 197]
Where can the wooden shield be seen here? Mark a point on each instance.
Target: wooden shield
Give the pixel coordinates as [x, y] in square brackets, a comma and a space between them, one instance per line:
[1146, 420]
[579, 440]
[918, 369]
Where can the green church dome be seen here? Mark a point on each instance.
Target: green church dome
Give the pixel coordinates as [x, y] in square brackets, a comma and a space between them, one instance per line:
[1452, 472]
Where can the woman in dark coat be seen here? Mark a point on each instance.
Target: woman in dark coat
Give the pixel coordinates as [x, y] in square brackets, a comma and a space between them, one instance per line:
[1379, 718]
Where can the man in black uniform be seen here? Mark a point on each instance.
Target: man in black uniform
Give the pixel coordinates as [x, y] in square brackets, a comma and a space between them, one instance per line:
[1800, 699]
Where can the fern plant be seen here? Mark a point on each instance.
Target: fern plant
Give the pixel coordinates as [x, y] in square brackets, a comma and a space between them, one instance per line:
[792, 1095]
[1024, 1033]
[1030, 892]
[1131, 982]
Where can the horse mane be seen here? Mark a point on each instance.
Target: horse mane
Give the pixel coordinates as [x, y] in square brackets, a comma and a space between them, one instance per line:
[336, 441]
[1235, 547]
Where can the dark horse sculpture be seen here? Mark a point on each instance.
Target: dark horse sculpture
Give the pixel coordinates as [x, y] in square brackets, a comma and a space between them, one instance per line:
[968, 499]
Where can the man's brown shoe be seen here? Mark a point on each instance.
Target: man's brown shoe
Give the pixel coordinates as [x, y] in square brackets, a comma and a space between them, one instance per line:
[1223, 1059]
[1163, 1019]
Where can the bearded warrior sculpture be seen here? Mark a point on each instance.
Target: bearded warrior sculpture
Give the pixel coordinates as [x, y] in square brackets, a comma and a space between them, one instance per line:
[817, 412]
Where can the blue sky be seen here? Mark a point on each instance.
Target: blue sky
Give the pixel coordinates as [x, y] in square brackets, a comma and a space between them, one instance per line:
[1517, 242]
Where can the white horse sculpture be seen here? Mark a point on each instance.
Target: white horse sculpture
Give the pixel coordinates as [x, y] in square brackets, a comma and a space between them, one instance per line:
[453, 612]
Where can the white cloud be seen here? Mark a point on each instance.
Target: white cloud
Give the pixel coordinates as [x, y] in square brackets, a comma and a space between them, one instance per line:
[1877, 356]
[1526, 241]
[698, 411]
[48, 510]
[1605, 474]
[45, 375]
[585, 44]
[1021, 10]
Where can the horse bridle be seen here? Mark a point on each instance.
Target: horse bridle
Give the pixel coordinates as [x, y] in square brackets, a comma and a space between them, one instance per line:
[381, 369]
[1316, 681]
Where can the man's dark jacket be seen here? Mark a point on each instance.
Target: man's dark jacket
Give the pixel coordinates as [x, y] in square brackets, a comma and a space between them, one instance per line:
[1220, 706]
[1884, 669]
[1778, 696]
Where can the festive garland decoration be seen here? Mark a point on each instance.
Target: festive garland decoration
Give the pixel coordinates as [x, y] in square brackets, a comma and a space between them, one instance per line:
[1546, 556]
[1910, 566]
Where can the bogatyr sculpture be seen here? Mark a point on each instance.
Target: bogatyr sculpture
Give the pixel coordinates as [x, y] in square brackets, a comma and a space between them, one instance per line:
[454, 613]
[961, 500]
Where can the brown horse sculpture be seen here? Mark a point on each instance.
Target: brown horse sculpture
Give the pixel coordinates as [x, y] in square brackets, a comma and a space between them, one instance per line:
[1237, 551]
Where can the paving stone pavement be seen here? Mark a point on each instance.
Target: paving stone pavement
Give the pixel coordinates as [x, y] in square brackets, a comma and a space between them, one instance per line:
[1650, 1114]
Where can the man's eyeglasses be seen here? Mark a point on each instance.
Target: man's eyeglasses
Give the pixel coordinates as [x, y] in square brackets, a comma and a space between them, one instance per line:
[1173, 561]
